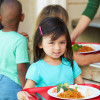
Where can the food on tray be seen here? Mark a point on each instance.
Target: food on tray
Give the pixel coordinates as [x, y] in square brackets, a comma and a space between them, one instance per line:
[72, 91]
[64, 91]
[82, 48]
[70, 94]
[86, 91]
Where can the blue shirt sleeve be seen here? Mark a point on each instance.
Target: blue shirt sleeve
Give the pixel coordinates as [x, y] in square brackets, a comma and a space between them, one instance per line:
[33, 73]
[76, 70]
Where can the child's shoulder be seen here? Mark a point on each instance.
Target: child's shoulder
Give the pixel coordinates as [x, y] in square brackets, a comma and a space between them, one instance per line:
[12, 34]
[17, 37]
[36, 63]
[66, 60]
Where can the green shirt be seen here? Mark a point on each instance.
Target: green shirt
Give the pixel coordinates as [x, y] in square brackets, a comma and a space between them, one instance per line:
[91, 8]
[13, 50]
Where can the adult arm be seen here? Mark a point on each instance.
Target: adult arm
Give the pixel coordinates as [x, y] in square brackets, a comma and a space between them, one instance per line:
[81, 26]
[86, 59]
[86, 18]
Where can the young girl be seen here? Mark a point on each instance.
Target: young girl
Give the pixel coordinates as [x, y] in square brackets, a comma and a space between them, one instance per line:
[51, 43]
[48, 11]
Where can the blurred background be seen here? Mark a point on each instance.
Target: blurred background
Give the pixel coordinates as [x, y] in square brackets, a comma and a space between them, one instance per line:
[31, 9]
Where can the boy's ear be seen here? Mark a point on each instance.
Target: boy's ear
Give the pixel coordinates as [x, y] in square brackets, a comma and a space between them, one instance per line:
[22, 17]
[40, 46]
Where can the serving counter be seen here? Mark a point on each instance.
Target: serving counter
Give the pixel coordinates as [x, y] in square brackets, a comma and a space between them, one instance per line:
[91, 73]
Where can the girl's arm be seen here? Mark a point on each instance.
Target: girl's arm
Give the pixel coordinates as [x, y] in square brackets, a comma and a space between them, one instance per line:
[79, 80]
[29, 84]
[23, 95]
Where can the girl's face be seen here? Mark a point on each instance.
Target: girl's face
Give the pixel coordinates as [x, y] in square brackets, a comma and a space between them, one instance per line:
[53, 49]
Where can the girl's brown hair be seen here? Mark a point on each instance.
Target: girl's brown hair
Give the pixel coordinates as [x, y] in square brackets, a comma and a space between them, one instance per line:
[53, 11]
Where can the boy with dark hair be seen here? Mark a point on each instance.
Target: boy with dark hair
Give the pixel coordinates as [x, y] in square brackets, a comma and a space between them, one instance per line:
[13, 51]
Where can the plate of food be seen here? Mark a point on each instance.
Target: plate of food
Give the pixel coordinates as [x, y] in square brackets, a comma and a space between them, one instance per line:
[86, 48]
[73, 92]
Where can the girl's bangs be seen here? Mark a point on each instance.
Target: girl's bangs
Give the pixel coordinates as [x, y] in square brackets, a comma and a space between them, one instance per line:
[57, 34]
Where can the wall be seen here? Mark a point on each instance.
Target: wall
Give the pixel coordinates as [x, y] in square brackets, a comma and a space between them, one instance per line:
[74, 8]
[29, 9]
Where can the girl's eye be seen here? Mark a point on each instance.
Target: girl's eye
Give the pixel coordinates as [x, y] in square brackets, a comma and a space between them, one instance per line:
[51, 43]
[62, 42]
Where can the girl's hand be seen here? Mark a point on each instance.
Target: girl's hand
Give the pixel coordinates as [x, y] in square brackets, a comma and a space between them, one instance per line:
[23, 95]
